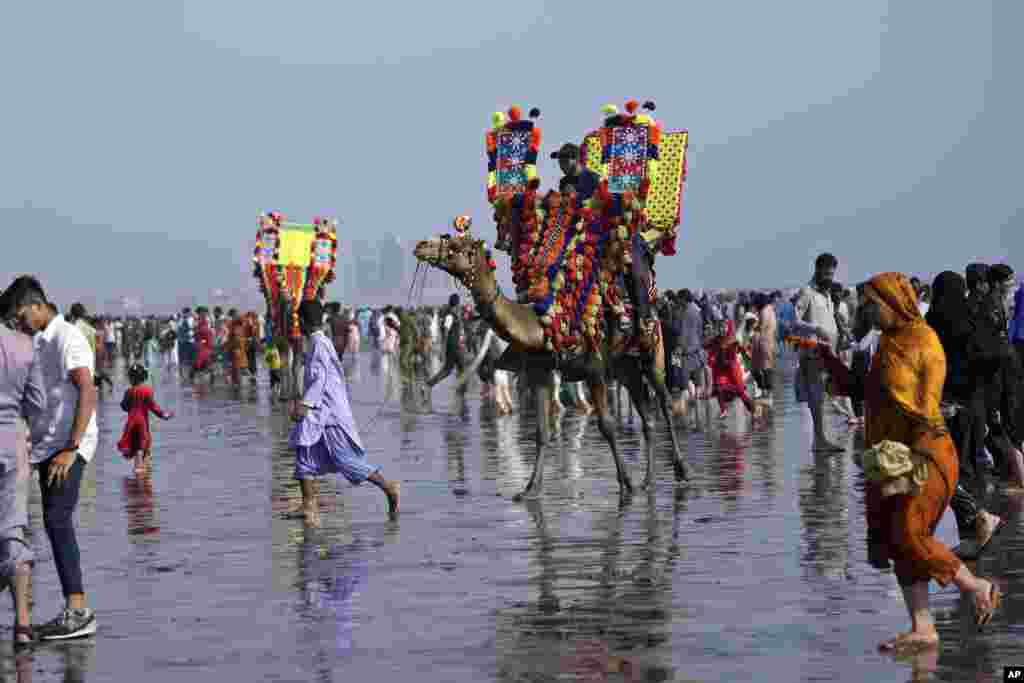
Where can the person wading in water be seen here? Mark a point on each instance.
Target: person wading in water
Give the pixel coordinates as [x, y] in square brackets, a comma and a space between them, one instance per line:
[325, 437]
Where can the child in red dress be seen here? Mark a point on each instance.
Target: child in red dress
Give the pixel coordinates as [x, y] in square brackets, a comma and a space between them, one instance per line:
[727, 370]
[136, 441]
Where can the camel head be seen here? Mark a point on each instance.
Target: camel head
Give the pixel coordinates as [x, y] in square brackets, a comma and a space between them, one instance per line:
[458, 255]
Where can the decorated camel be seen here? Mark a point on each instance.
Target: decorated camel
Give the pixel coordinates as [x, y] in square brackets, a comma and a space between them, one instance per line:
[293, 263]
[573, 264]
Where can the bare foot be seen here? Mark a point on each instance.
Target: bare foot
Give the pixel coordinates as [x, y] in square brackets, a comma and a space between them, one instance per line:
[986, 602]
[392, 491]
[910, 642]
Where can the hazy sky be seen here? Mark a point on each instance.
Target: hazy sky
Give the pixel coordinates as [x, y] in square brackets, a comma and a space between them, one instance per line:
[140, 140]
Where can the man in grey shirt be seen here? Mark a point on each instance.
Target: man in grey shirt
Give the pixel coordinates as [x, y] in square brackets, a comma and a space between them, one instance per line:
[21, 398]
[816, 315]
[689, 353]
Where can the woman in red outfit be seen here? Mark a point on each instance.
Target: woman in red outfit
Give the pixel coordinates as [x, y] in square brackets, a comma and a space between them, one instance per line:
[727, 370]
[204, 346]
[136, 441]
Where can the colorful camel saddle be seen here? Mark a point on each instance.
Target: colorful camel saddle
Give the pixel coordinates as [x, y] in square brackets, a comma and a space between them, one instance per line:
[293, 262]
[569, 256]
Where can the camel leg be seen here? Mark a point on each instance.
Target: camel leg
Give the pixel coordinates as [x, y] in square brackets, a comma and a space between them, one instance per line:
[657, 381]
[637, 393]
[599, 395]
[542, 386]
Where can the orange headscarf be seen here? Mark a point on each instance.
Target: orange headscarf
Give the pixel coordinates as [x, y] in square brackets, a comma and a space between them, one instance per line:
[910, 356]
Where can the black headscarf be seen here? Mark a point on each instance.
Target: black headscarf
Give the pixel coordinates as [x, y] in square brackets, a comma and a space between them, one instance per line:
[948, 314]
[970, 348]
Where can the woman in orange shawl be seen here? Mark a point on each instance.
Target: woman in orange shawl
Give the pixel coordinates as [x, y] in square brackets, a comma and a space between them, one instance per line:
[902, 393]
[238, 346]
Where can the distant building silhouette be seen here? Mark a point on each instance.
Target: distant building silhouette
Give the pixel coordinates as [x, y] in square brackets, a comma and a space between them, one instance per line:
[391, 268]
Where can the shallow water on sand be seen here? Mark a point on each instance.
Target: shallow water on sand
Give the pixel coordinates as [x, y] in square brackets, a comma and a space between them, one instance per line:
[757, 572]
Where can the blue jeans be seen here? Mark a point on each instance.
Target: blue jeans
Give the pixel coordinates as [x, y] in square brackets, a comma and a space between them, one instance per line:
[59, 502]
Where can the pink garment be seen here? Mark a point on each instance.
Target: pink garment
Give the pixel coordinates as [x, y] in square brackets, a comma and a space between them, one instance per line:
[764, 348]
[352, 338]
[390, 342]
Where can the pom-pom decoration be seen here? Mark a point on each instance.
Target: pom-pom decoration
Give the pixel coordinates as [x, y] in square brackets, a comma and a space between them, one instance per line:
[629, 149]
[512, 145]
[293, 260]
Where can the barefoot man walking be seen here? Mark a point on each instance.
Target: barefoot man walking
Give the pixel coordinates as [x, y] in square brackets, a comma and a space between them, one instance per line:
[815, 313]
[325, 437]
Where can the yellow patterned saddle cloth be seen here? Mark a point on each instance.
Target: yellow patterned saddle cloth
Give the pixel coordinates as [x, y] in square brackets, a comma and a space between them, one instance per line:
[898, 468]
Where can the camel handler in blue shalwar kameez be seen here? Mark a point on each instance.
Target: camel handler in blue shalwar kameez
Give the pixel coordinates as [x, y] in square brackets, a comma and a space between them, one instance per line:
[325, 437]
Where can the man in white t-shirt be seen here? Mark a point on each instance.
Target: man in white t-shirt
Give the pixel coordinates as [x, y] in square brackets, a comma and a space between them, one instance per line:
[64, 438]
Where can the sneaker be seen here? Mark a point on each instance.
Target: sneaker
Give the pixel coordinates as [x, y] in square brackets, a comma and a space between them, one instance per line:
[72, 623]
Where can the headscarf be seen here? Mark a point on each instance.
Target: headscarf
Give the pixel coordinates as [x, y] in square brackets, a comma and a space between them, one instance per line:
[950, 317]
[948, 314]
[910, 357]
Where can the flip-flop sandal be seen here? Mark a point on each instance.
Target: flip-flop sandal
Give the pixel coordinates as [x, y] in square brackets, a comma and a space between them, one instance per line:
[995, 597]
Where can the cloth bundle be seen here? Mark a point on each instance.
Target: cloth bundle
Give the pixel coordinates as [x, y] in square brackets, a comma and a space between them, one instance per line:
[896, 467]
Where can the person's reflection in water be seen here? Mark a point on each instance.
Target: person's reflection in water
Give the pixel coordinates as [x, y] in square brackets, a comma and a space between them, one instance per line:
[137, 492]
[350, 365]
[392, 378]
[572, 448]
[824, 510]
[77, 656]
[455, 449]
[510, 463]
[766, 462]
[376, 363]
[732, 467]
[328, 579]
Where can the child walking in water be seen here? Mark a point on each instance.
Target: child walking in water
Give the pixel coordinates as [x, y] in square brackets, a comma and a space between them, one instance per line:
[136, 441]
[272, 358]
[727, 371]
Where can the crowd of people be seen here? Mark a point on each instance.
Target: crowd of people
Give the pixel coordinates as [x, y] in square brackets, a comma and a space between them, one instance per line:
[937, 366]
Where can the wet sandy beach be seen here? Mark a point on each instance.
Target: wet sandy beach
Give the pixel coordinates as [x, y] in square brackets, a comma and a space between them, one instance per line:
[756, 572]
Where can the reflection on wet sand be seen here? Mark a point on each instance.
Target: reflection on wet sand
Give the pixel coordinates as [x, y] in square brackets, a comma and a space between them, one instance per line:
[603, 603]
[453, 431]
[137, 492]
[328, 576]
[504, 460]
[824, 510]
[732, 468]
